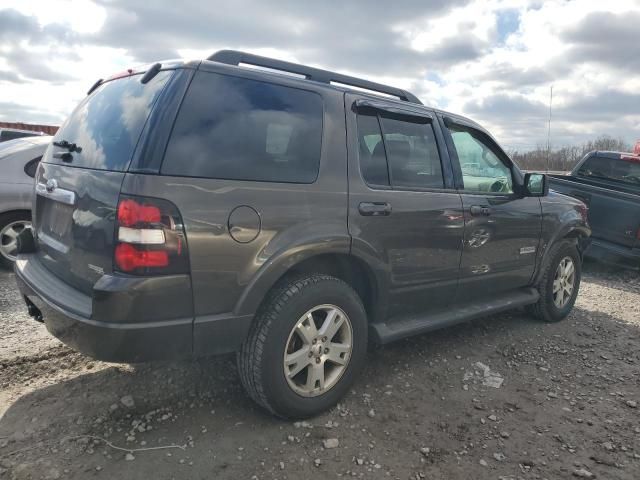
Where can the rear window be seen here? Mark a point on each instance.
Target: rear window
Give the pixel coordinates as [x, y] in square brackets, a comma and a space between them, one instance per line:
[611, 169]
[239, 129]
[107, 124]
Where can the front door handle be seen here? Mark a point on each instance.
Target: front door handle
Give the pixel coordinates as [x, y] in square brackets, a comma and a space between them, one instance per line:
[374, 209]
[479, 210]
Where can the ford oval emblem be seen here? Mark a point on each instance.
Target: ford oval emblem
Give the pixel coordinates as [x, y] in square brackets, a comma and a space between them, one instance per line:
[51, 185]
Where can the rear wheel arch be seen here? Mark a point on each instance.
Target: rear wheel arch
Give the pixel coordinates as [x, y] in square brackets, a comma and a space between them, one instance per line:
[347, 267]
[16, 211]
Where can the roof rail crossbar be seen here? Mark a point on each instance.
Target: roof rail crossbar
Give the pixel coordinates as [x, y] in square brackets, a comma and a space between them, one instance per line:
[234, 57]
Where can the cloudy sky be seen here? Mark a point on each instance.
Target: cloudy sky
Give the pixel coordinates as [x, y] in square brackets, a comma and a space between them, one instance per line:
[493, 60]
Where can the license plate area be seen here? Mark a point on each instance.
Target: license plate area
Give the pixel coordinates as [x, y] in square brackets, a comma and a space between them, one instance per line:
[56, 220]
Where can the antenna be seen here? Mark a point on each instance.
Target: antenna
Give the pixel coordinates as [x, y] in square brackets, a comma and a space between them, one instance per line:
[549, 129]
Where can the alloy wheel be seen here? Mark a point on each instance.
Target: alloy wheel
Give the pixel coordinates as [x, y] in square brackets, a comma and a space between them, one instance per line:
[318, 350]
[564, 282]
[9, 238]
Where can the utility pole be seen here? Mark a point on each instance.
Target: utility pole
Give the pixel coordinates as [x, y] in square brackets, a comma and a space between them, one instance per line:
[549, 129]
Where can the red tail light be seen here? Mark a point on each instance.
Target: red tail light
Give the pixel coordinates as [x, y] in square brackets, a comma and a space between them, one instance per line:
[129, 258]
[150, 238]
[131, 213]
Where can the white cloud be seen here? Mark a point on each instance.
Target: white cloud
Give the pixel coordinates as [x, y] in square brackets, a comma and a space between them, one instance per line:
[493, 60]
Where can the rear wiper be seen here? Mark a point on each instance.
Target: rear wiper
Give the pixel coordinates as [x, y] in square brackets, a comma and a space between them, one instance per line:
[72, 147]
[152, 72]
[94, 86]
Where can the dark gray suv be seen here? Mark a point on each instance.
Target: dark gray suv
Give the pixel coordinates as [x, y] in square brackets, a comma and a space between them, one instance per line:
[195, 208]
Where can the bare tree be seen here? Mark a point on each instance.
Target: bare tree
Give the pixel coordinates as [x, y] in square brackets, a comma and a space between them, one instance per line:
[565, 158]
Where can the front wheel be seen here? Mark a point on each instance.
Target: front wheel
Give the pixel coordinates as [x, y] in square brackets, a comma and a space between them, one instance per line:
[306, 346]
[559, 284]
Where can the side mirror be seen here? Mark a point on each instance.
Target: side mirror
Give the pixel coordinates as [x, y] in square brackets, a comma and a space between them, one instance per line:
[536, 184]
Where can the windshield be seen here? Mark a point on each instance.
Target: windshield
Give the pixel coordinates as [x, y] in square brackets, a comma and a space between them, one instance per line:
[107, 124]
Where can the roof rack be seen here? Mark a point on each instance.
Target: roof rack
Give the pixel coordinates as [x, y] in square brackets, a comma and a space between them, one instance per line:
[234, 57]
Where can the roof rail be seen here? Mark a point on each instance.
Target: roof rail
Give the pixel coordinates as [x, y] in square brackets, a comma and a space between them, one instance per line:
[234, 57]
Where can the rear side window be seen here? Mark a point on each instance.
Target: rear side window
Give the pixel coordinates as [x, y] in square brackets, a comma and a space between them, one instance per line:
[612, 169]
[107, 124]
[398, 153]
[31, 166]
[12, 135]
[239, 129]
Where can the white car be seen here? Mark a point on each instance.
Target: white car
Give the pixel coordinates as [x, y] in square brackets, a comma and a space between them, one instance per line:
[19, 160]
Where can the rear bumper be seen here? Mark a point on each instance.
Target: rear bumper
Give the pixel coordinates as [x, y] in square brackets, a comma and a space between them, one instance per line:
[609, 252]
[78, 320]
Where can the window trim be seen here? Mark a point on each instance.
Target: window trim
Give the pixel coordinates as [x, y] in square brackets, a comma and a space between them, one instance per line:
[391, 186]
[490, 143]
[381, 107]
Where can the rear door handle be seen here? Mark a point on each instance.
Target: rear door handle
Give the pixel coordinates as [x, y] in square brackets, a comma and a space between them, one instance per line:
[479, 210]
[374, 209]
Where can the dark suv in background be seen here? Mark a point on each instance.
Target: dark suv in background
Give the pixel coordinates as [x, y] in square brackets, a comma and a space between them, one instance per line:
[194, 208]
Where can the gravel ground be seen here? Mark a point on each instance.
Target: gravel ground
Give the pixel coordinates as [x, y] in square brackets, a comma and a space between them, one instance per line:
[499, 398]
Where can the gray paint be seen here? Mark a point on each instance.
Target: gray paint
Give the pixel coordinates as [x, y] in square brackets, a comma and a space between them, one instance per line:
[16, 187]
[418, 258]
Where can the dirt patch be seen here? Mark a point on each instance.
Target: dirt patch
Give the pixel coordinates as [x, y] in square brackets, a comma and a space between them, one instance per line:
[567, 405]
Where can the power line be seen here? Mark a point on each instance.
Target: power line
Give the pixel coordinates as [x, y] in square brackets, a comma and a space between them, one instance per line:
[549, 128]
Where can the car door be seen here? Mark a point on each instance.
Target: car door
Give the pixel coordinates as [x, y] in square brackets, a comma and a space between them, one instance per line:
[502, 228]
[403, 207]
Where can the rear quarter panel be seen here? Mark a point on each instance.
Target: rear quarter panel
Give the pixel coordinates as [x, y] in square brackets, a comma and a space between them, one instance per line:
[295, 221]
[16, 187]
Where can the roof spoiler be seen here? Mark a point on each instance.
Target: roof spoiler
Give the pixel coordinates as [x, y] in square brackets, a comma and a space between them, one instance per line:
[234, 57]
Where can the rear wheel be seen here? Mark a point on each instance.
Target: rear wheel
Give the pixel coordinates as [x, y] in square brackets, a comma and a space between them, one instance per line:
[11, 224]
[306, 346]
[559, 284]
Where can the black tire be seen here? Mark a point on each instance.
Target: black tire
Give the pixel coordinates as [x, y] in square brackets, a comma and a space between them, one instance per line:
[5, 220]
[545, 309]
[260, 360]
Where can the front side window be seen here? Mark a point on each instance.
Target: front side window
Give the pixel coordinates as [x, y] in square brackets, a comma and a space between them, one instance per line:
[239, 129]
[611, 169]
[398, 153]
[482, 169]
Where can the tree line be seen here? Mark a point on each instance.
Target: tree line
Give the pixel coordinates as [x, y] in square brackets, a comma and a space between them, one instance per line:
[565, 158]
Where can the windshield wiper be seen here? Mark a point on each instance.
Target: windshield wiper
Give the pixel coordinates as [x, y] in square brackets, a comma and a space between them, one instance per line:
[72, 147]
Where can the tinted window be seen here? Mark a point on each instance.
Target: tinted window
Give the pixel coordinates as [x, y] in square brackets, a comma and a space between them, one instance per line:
[612, 169]
[31, 166]
[12, 135]
[107, 123]
[234, 128]
[482, 168]
[410, 149]
[412, 153]
[373, 161]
